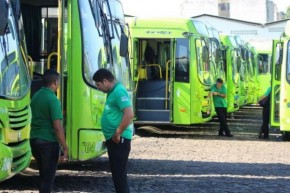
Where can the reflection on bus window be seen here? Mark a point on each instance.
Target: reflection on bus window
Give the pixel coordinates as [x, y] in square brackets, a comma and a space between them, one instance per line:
[203, 66]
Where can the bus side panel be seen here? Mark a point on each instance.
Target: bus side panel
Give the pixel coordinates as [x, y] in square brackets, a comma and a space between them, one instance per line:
[181, 103]
[84, 135]
[285, 87]
[275, 85]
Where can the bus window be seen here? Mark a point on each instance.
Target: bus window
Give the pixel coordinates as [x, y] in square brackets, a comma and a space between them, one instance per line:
[278, 61]
[182, 60]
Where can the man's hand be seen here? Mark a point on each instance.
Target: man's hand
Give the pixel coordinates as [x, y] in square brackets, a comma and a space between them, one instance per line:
[64, 157]
[117, 136]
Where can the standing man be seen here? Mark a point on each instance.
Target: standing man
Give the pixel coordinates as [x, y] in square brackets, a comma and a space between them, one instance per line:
[219, 94]
[264, 132]
[117, 126]
[47, 131]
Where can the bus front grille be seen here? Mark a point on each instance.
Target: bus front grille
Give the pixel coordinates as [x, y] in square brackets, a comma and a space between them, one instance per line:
[19, 118]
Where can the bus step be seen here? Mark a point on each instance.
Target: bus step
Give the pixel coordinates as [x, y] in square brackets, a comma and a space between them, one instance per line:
[151, 103]
[152, 115]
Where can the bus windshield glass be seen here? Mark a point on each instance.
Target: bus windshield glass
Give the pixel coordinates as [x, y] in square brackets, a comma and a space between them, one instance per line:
[235, 61]
[203, 66]
[200, 28]
[95, 54]
[14, 77]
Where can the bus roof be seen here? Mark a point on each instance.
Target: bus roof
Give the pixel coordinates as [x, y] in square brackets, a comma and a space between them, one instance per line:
[166, 27]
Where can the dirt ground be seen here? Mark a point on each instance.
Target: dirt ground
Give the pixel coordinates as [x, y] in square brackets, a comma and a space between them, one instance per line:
[198, 162]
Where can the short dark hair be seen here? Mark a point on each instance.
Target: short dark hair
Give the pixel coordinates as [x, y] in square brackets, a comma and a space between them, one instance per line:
[102, 74]
[49, 77]
[219, 80]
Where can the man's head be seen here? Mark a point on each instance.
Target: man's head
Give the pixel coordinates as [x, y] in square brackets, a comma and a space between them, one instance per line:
[104, 80]
[51, 79]
[219, 82]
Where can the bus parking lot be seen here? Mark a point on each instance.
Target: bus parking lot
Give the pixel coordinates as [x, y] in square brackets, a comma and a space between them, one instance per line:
[198, 162]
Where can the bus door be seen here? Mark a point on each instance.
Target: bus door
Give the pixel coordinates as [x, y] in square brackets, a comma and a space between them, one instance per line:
[152, 76]
[264, 76]
[285, 94]
[181, 85]
[275, 83]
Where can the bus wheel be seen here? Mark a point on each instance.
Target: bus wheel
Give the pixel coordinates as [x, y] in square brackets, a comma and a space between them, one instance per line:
[285, 136]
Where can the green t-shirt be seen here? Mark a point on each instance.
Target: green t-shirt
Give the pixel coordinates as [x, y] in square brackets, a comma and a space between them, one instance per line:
[267, 93]
[45, 108]
[218, 100]
[117, 100]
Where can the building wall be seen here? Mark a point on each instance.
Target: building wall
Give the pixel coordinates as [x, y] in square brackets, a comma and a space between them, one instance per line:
[197, 7]
[249, 10]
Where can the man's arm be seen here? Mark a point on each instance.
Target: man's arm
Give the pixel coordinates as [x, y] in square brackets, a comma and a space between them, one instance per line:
[61, 137]
[127, 119]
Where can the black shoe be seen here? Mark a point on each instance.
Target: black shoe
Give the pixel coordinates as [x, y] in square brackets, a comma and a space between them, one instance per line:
[265, 137]
[229, 135]
[260, 135]
[221, 134]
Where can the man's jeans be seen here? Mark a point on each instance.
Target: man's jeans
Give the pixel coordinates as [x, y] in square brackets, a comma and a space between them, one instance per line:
[118, 157]
[46, 154]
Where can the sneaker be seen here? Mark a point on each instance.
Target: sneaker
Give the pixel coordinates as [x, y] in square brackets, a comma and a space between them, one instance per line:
[221, 134]
[229, 135]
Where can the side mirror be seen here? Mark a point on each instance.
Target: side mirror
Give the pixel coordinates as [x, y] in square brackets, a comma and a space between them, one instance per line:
[123, 45]
[3, 17]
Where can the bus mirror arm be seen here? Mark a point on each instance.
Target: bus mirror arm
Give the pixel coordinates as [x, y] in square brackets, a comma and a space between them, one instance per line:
[123, 45]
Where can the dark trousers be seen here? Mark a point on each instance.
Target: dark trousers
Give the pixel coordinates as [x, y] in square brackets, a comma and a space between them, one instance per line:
[265, 124]
[222, 117]
[118, 157]
[46, 154]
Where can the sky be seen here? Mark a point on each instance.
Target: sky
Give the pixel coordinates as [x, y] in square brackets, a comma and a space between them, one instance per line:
[156, 8]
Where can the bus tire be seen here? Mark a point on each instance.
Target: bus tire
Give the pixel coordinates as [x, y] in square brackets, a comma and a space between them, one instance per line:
[285, 136]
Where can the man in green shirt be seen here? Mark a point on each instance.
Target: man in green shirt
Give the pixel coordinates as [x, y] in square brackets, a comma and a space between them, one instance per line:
[219, 94]
[47, 131]
[117, 126]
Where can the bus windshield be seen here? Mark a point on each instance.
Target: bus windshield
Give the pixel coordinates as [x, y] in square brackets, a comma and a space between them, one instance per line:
[95, 54]
[203, 66]
[14, 77]
[235, 60]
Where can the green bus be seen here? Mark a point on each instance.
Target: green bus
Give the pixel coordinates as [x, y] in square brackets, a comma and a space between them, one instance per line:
[77, 38]
[171, 71]
[15, 113]
[280, 96]
[232, 60]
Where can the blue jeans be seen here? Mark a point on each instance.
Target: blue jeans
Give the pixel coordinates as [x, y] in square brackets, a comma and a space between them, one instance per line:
[46, 154]
[118, 157]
